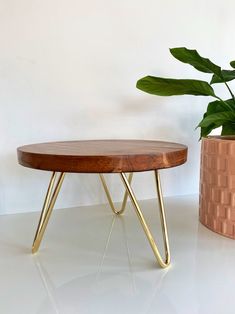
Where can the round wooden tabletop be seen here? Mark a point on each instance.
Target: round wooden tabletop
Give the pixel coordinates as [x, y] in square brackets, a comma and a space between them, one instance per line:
[102, 156]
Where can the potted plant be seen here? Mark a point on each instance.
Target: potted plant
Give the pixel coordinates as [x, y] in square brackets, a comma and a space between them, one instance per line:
[217, 174]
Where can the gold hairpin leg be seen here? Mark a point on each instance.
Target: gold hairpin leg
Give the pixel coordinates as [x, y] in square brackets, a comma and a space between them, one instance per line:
[53, 192]
[162, 263]
[117, 212]
[48, 205]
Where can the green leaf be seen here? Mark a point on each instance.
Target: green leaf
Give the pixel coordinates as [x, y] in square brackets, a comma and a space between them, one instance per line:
[206, 130]
[232, 63]
[193, 58]
[228, 129]
[227, 75]
[169, 87]
[218, 119]
[218, 106]
[214, 107]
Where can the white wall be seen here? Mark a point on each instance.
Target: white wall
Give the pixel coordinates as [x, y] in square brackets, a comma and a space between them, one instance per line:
[68, 71]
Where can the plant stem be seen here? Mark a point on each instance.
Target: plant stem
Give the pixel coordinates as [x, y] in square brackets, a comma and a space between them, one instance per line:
[230, 91]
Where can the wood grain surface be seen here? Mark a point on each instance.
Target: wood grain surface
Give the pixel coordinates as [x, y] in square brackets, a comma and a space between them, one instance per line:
[102, 156]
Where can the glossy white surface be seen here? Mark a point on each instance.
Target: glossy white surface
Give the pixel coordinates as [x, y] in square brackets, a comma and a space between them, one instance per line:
[92, 262]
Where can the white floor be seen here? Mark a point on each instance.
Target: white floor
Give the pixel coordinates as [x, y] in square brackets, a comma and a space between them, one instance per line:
[92, 262]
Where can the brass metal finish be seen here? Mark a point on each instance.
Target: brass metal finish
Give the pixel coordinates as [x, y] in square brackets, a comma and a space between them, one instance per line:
[162, 263]
[48, 205]
[53, 192]
[117, 212]
[162, 216]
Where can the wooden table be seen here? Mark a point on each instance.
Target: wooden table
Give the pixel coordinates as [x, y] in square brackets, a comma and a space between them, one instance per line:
[104, 156]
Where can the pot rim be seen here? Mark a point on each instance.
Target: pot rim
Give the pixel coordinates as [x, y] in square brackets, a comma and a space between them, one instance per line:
[226, 138]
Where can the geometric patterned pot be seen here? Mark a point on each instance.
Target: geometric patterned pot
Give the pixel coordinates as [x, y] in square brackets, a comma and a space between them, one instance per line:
[217, 185]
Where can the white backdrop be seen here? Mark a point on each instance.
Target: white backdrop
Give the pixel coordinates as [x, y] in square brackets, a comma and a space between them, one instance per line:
[68, 71]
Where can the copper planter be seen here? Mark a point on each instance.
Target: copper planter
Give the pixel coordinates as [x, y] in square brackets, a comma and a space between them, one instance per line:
[217, 185]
